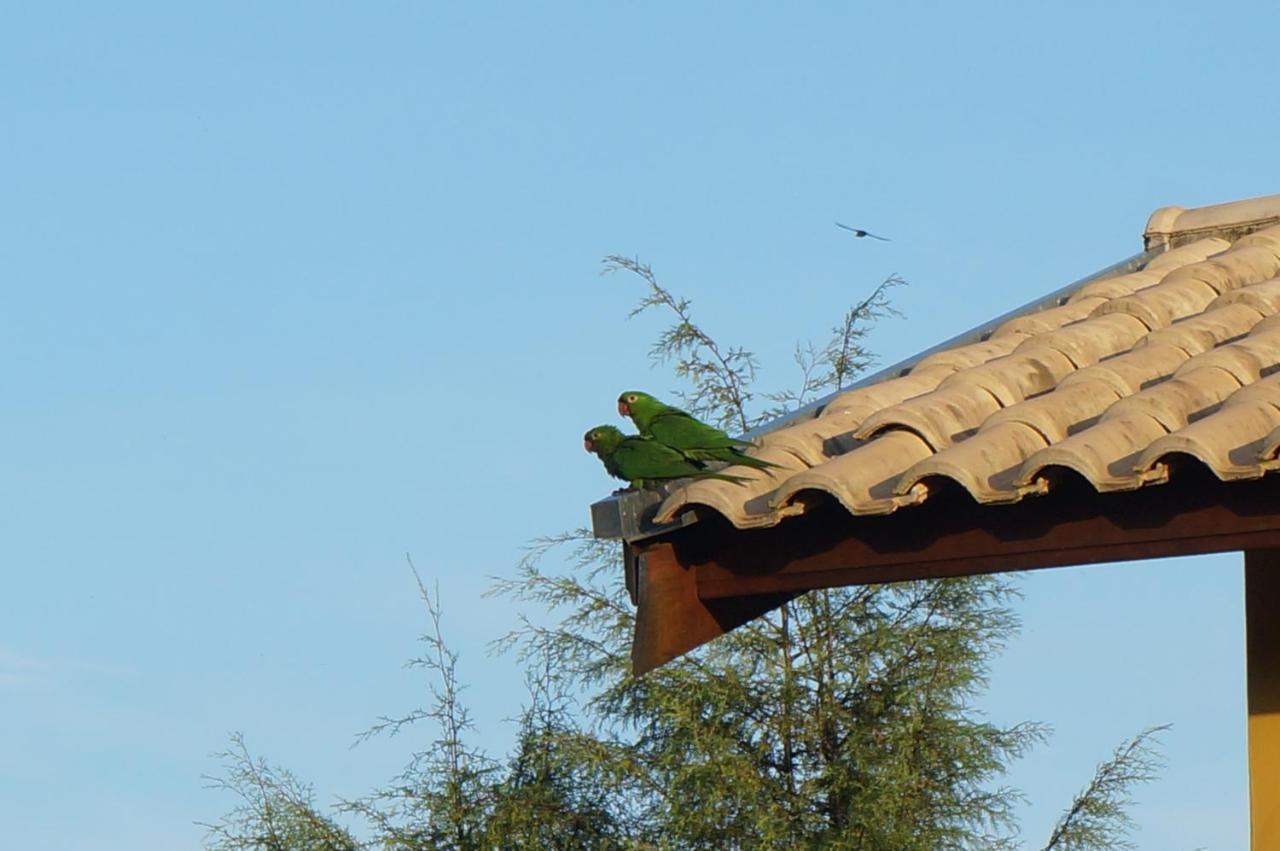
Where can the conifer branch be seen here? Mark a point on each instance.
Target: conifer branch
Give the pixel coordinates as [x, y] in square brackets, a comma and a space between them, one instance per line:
[1098, 817]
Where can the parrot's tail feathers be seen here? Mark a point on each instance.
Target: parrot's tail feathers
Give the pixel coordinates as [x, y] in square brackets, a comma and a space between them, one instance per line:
[725, 477]
[757, 463]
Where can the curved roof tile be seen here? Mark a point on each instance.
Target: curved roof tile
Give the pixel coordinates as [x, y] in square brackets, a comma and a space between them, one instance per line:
[1179, 359]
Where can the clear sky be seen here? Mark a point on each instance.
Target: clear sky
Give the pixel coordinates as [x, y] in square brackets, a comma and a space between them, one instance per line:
[291, 289]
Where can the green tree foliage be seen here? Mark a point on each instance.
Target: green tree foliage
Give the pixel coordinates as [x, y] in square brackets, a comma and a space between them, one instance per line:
[274, 811]
[857, 736]
[443, 798]
[843, 720]
[1098, 818]
[556, 792]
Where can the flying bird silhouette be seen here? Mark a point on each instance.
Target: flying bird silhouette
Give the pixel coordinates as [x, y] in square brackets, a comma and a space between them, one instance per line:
[860, 233]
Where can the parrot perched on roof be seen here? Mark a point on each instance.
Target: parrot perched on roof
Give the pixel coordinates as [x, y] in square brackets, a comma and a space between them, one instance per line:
[693, 439]
[642, 462]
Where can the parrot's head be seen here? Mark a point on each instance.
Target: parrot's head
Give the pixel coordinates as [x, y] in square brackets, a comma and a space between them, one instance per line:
[602, 439]
[630, 399]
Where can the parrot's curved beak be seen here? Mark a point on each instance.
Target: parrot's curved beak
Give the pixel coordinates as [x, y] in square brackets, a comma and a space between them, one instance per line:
[588, 445]
[624, 408]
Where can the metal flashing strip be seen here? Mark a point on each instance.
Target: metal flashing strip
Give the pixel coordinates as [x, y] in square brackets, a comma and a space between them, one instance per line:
[629, 514]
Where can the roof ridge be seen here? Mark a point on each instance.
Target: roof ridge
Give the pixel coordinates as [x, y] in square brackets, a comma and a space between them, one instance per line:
[1173, 226]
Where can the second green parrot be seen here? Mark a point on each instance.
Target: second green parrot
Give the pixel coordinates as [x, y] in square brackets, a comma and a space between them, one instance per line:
[692, 438]
[642, 462]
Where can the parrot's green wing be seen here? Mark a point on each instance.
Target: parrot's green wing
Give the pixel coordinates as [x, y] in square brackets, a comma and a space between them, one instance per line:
[681, 431]
[639, 458]
[700, 442]
[644, 462]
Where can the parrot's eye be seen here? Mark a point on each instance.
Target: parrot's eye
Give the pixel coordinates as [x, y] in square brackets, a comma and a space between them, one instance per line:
[631, 398]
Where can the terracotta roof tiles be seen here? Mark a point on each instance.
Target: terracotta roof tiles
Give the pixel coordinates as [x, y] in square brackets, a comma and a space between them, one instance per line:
[1179, 360]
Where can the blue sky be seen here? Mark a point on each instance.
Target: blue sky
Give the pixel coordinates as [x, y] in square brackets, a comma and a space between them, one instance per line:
[292, 289]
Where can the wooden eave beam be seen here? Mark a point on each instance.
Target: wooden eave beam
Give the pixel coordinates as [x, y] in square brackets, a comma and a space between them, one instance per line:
[723, 568]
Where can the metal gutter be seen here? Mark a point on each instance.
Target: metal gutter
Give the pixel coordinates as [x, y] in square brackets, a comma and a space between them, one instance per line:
[629, 514]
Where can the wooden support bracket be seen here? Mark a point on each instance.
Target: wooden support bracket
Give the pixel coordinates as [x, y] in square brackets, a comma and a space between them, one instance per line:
[671, 619]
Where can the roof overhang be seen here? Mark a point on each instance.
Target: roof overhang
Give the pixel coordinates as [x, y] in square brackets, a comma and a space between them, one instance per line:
[697, 583]
[629, 515]
[1193, 375]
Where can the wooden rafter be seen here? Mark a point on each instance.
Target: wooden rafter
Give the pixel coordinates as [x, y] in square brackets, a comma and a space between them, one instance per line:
[701, 581]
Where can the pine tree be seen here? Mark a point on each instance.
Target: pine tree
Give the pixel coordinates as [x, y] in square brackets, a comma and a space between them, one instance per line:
[839, 721]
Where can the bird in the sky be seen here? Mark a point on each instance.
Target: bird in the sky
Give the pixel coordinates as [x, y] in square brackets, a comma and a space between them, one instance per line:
[860, 233]
[642, 462]
[693, 439]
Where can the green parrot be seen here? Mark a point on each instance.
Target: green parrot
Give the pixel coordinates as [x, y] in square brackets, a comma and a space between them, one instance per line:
[642, 462]
[693, 439]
